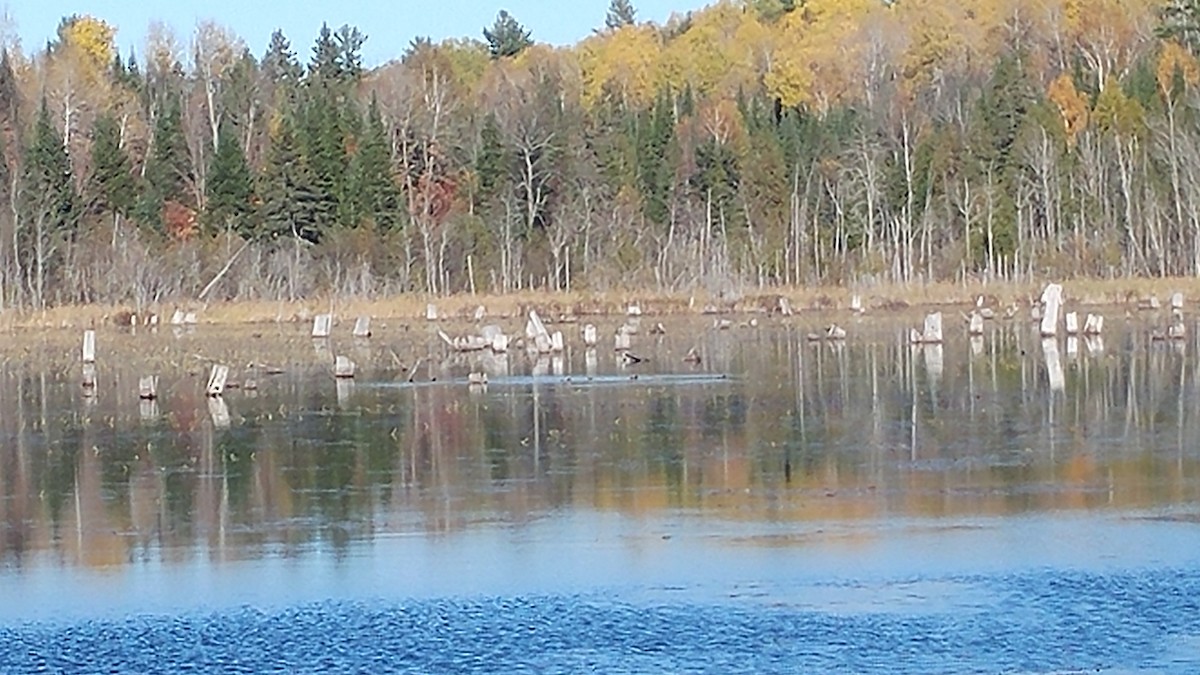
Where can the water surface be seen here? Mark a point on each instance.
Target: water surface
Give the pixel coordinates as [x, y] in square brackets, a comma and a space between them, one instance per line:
[990, 505]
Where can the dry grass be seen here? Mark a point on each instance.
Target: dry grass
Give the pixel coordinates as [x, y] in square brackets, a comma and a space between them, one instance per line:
[412, 307]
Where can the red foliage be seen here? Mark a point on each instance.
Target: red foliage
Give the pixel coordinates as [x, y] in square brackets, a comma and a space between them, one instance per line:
[434, 197]
[178, 220]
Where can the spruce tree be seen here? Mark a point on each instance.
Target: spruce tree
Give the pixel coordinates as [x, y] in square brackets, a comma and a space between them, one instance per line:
[375, 195]
[290, 205]
[230, 187]
[168, 168]
[507, 37]
[49, 201]
[111, 187]
[620, 13]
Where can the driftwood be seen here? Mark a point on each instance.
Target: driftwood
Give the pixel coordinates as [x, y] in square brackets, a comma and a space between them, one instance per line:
[431, 312]
[1093, 325]
[833, 332]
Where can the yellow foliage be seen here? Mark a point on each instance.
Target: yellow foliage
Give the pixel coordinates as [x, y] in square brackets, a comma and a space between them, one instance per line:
[717, 53]
[936, 38]
[1117, 113]
[1175, 59]
[819, 56]
[468, 60]
[624, 62]
[91, 39]
[1072, 105]
[720, 120]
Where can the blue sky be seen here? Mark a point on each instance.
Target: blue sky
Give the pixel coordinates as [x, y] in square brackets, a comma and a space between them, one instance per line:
[389, 25]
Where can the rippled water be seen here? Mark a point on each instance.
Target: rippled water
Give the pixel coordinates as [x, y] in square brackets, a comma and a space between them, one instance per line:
[782, 507]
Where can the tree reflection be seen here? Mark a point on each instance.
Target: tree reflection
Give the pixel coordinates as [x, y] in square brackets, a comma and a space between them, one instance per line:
[771, 427]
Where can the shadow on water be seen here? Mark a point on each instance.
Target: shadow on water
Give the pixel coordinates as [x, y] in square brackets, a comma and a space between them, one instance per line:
[770, 447]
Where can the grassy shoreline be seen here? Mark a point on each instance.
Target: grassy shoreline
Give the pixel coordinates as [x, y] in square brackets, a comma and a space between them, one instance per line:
[884, 297]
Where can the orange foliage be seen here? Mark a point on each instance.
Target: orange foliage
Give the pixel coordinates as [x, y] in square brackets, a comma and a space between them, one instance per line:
[179, 221]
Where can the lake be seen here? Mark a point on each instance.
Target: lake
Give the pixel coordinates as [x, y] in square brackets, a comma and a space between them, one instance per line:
[997, 504]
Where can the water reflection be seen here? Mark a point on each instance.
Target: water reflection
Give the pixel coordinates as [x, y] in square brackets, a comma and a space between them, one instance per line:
[769, 428]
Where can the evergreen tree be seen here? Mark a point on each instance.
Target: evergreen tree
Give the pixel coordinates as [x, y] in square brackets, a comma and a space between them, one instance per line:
[349, 58]
[111, 187]
[9, 103]
[48, 197]
[620, 13]
[655, 136]
[1180, 20]
[290, 205]
[324, 152]
[168, 168]
[507, 37]
[375, 194]
[324, 65]
[230, 186]
[279, 63]
[491, 165]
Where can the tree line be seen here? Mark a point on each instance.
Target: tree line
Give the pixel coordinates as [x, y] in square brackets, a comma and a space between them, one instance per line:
[752, 143]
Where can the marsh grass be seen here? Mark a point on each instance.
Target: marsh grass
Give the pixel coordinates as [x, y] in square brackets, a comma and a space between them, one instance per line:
[411, 308]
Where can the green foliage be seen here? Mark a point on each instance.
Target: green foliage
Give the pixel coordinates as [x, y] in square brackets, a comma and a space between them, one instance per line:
[280, 66]
[373, 193]
[620, 13]
[655, 140]
[168, 169]
[291, 205]
[230, 187]
[507, 37]
[47, 186]
[111, 186]
[493, 160]
[1179, 20]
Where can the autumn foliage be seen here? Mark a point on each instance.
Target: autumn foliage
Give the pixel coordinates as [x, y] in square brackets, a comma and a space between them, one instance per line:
[751, 143]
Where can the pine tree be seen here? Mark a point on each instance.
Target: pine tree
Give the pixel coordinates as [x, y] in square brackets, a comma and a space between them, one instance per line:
[111, 187]
[507, 37]
[230, 186]
[620, 13]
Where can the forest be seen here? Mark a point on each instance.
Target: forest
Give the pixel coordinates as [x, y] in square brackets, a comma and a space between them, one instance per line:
[750, 144]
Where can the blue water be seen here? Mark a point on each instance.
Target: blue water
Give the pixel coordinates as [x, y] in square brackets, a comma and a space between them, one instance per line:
[1051, 622]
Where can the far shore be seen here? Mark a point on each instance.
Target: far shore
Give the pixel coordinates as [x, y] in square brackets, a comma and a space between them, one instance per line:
[1128, 292]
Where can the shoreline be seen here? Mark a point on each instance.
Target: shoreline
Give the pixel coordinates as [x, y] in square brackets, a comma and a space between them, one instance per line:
[1128, 292]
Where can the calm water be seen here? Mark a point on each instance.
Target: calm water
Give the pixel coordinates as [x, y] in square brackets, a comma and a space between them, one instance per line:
[999, 505]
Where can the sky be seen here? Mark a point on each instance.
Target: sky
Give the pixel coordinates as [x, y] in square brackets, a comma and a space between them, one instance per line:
[389, 24]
